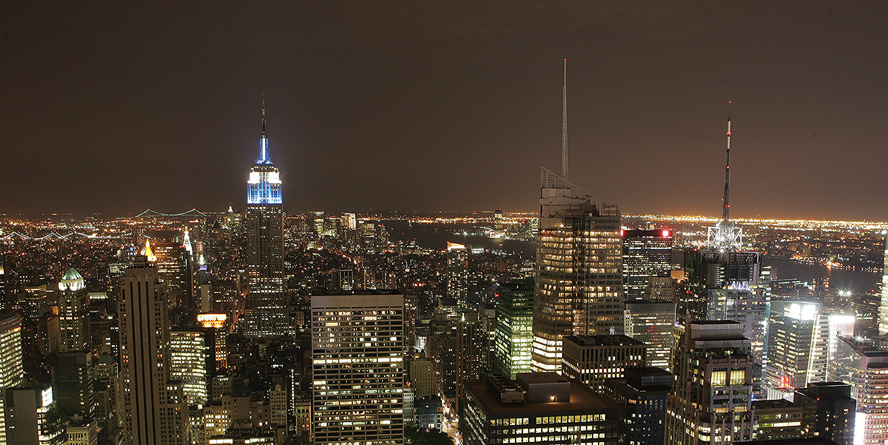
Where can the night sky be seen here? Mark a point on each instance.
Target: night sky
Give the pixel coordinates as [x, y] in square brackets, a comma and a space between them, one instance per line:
[118, 106]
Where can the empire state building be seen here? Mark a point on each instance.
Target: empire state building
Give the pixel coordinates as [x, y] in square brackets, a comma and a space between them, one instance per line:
[267, 312]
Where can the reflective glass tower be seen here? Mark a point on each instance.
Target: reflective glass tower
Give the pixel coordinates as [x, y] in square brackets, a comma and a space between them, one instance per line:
[267, 313]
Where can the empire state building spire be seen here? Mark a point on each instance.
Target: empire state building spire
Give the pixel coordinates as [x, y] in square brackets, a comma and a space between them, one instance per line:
[263, 141]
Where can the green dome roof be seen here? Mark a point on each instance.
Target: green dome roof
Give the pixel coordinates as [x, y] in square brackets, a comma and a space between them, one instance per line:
[72, 274]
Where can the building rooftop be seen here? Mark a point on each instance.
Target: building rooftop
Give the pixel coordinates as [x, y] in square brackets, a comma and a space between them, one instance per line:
[603, 340]
[582, 400]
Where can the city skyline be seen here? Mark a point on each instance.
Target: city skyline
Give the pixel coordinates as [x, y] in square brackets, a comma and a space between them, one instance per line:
[447, 106]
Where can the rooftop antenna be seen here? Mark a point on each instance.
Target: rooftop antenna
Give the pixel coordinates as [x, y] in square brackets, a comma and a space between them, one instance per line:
[263, 138]
[564, 125]
[726, 207]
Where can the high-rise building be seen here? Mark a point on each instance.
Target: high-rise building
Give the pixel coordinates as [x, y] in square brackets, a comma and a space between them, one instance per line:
[641, 398]
[798, 347]
[109, 400]
[190, 359]
[777, 419]
[712, 399]
[579, 285]
[594, 359]
[153, 406]
[267, 307]
[646, 254]
[652, 322]
[883, 306]
[358, 368]
[579, 277]
[12, 372]
[74, 384]
[423, 379]
[73, 312]
[540, 408]
[829, 411]
[31, 417]
[470, 365]
[865, 369]
[514, 328]
[458, 273]
[171, 263]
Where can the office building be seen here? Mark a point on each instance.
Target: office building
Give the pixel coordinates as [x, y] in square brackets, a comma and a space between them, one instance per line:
[579, 285]
[31, 417]
[652, 322]
[109, 400]
[883, 305]
[865, 369]
[798, 347]
[458, 273]
[190, 359]
[712, 399]
[153, 406]
[777, 419]
[11, 366]
[172, 268]
[829, 411]
[514, 328]
[423, 378]
[641, 399]
[470, 363]
[538, 408]
[646, 254]
[74, 384]
[217, 325]
[267, 309]
[594, 359]
[358, 368]
[73, 312]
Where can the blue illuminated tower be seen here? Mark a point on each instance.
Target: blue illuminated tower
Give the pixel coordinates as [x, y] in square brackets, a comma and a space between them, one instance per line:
[266, 309]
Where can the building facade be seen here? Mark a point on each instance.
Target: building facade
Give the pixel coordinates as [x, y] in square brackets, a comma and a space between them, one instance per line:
[712, 399]
[592, 359]
[646, 254]
[538, 408]
[652, 322]
[153, 406]
[514, 328]
[358, 369]
[579, 285]
[267, 307]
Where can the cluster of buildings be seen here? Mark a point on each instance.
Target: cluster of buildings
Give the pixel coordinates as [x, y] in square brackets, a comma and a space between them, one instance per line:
[263, 328]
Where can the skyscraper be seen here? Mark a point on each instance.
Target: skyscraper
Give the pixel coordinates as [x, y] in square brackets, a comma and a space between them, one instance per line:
[358, 368]
[189, 360]
[646, 254]
[267, 308]
[713, 391]
[798, 347]
[865, 369]
[514, 334]
[652, 322]
[11, 370]
[153, 408]
[72, 312]
[579, 286]
[458, 273]
[829, 411]
[883, 306]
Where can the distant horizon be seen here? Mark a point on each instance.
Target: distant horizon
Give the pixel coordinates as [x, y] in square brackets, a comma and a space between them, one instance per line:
[455, 213]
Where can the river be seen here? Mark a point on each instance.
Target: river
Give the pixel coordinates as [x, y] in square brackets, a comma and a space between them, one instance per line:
[436, 236]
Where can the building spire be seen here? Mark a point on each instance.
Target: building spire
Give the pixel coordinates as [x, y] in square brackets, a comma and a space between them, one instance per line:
[726, 206]
[263, 140]
[564, 125]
